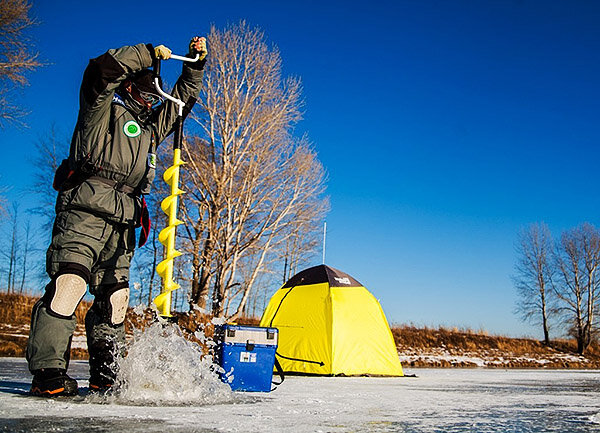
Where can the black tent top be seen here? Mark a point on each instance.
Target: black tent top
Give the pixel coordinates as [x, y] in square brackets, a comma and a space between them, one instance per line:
[322, 274]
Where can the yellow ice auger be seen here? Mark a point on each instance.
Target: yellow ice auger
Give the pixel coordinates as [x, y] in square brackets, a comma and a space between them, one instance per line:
[170, 203]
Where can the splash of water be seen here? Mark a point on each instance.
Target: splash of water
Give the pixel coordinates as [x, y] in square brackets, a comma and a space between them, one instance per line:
[162, 367]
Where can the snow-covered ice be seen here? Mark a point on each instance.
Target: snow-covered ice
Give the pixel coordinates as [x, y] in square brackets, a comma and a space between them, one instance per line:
[438, 400]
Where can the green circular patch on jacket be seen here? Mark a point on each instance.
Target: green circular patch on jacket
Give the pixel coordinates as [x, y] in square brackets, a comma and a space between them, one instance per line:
[132, 129]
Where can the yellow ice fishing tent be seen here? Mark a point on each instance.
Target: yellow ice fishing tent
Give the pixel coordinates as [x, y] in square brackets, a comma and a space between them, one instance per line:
[330, 324]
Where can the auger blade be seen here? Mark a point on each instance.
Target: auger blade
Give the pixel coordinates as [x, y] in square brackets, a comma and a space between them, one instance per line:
[163, 267]
[166, 204]
[170, 172]
[163, 302]
[163, 235]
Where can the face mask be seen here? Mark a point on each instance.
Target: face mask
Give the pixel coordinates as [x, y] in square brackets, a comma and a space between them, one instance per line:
[140, 111]
[151, 98]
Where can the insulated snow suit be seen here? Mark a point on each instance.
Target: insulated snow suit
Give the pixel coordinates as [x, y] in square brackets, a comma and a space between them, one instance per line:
[112, 159]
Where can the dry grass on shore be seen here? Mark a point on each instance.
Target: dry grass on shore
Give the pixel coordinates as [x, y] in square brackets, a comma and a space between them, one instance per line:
[443, 347]
[15, 316]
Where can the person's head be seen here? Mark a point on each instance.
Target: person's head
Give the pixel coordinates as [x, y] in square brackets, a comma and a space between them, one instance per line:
[140, 87]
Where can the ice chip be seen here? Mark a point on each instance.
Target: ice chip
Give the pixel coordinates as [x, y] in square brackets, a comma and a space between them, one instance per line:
[162, 367]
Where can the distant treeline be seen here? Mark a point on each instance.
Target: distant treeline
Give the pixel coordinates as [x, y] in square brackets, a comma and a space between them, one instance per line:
[558, 281]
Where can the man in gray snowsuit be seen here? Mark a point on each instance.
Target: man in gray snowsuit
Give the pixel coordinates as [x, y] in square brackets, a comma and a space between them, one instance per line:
[101, 185]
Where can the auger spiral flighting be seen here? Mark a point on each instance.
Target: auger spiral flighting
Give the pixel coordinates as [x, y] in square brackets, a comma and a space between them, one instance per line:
[167, 236]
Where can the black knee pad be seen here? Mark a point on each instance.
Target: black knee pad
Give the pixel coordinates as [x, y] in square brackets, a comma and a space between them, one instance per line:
[66, 290]
[110, 304]
[74, 268]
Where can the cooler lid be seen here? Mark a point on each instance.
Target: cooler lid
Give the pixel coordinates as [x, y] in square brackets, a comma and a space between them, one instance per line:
[249, 334]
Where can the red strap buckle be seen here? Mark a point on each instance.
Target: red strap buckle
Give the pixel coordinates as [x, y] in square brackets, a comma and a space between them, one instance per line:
[145, 223]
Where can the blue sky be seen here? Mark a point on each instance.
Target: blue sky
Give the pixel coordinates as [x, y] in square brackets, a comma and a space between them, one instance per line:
[444, 127]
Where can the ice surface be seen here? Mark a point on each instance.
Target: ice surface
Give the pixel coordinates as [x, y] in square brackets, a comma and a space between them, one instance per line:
[439, 400]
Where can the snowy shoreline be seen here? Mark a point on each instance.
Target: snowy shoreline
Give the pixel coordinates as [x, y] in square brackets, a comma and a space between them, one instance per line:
[442, 358]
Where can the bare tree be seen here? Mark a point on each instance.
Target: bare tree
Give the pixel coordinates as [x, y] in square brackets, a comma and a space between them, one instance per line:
[293, 250]
[252, 186]
[13, 250]
[26, 250]
[49, 152]
[3, 203]
[533, 276]
[578, 264]
[16, 55]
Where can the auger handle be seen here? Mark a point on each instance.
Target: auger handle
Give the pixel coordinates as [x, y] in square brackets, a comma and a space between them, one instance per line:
[161, 92]
[184, 59]
[156, 67]
[156, 63]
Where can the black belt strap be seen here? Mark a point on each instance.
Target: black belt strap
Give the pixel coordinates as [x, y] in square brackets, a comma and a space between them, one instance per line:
[118, 186]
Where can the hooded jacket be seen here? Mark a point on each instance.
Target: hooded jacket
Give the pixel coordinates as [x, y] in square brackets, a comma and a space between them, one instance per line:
[112, 149]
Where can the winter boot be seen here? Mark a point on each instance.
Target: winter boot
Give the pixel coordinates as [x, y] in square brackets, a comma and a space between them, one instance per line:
[52, 382]
[105, 335]
[103, 367]
[102, 371]
[101, 384]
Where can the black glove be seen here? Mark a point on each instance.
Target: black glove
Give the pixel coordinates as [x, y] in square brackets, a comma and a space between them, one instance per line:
[197, 46]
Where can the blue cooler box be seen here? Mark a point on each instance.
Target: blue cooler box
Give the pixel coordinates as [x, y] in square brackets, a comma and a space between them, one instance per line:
[247, 354]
